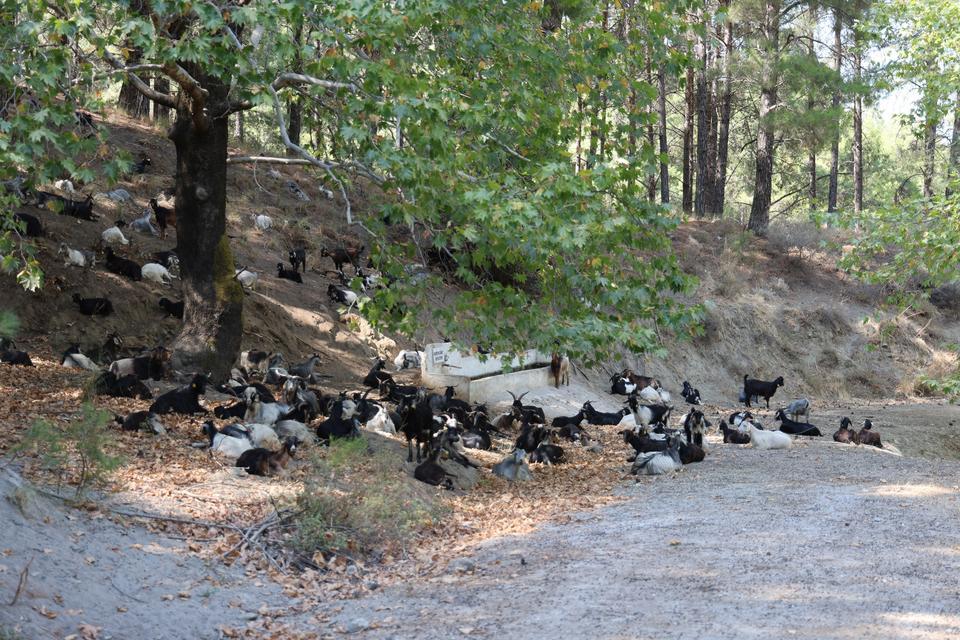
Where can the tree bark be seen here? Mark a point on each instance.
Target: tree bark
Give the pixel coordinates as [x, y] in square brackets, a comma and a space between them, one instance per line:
[726, 102]
[703, 177]
[664, 149]
[160, 112]
[687, 185]
[131, 101]
[835, 145]
[929, 156]
[763, 181]
[209, 339]
[651, 137]
[857, 127]
[812, 151]
[954, 162]
[710, 195]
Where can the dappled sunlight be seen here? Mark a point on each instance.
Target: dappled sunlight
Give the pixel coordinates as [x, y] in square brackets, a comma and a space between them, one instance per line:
[912, 491]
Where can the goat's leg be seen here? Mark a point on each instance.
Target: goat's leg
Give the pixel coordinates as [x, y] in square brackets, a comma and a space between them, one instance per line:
[410, 451]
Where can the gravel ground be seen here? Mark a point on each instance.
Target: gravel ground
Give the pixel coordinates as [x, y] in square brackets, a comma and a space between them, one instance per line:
[820, 541]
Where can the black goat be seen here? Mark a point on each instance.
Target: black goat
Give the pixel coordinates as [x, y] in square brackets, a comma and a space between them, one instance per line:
[642, 442]
[417, 423]
[185, 400]
[569, 424]
[236, 410]
[288, 274]
[760, 388]
[81, 209]
[547, 453]
[172, 308]
[377, 376]
[298, 259]
[342, 256]
[141, 165]
[600, 417]
[142, 421]
[430, 471]
[128, 386]
[394, 392]
[122, 266]
[93, 306]
[691, 395]
[11, 356]
[690, 452]
[107, 352]
[529, 412]
[477, 433]
[530, 437]
[733, 436]
[31, 225]
[795, 428]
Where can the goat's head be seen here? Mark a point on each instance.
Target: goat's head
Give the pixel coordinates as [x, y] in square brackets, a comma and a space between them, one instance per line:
[778, 382]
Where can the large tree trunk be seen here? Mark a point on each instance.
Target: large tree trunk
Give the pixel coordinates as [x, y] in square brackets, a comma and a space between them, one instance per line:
[954, 162]
[664, 149]
[763, 181]
[726, 102]
[687, 185]
[812, 151]
[710, 204]
[857, 127]
[929, 156]
[835, 146]
[701, 198]
[209, 339]
[651, 136]
[134, 103]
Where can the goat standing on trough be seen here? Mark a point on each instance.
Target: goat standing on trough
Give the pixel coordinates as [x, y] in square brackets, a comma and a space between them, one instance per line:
[560, 369]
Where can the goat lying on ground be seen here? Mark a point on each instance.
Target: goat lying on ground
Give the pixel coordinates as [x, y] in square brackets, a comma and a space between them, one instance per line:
[795, 428]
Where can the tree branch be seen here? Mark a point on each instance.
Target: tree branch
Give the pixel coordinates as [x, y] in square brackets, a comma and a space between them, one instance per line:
[268, 160]
[164, 99]
[291, 79]
[303, 153]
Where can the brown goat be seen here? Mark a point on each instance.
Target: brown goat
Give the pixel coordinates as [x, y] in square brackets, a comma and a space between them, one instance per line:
[868, 437]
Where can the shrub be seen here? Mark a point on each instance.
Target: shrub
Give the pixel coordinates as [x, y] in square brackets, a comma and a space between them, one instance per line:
[78, 446]
[356, 499]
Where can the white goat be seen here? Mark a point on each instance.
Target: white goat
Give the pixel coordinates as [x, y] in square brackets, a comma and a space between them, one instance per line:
[76, 257]
[262, 222]
[113, 235]
[657, 463]
[247, 278]
[769, 439]
[408, 360]
[64, 185]
[382, 423]
[156, 272]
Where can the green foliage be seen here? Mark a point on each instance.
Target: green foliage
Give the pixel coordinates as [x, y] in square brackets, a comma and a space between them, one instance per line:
[9, 324]
[80, 446]
[358, 500]
[903, 247]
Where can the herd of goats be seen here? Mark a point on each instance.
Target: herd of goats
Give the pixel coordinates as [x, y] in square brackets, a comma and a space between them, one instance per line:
[275, 406]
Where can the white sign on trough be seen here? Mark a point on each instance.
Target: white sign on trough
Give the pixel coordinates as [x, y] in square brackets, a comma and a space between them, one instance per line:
[476, 381]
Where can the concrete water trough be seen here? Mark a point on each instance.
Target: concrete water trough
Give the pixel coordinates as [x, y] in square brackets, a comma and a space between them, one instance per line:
[482, 381]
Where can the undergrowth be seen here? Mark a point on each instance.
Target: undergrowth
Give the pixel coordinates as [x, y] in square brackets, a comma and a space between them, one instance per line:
[357, 500]
[78, 447]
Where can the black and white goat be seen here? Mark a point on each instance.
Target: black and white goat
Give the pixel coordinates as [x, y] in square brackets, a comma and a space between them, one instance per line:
[73, 359]
[795, 428]
[691, 395]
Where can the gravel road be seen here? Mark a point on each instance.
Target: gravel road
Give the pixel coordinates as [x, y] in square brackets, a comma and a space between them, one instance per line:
[820, 541]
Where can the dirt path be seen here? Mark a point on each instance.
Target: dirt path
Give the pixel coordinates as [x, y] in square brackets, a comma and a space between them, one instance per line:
[822, 541]
[96, 579]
